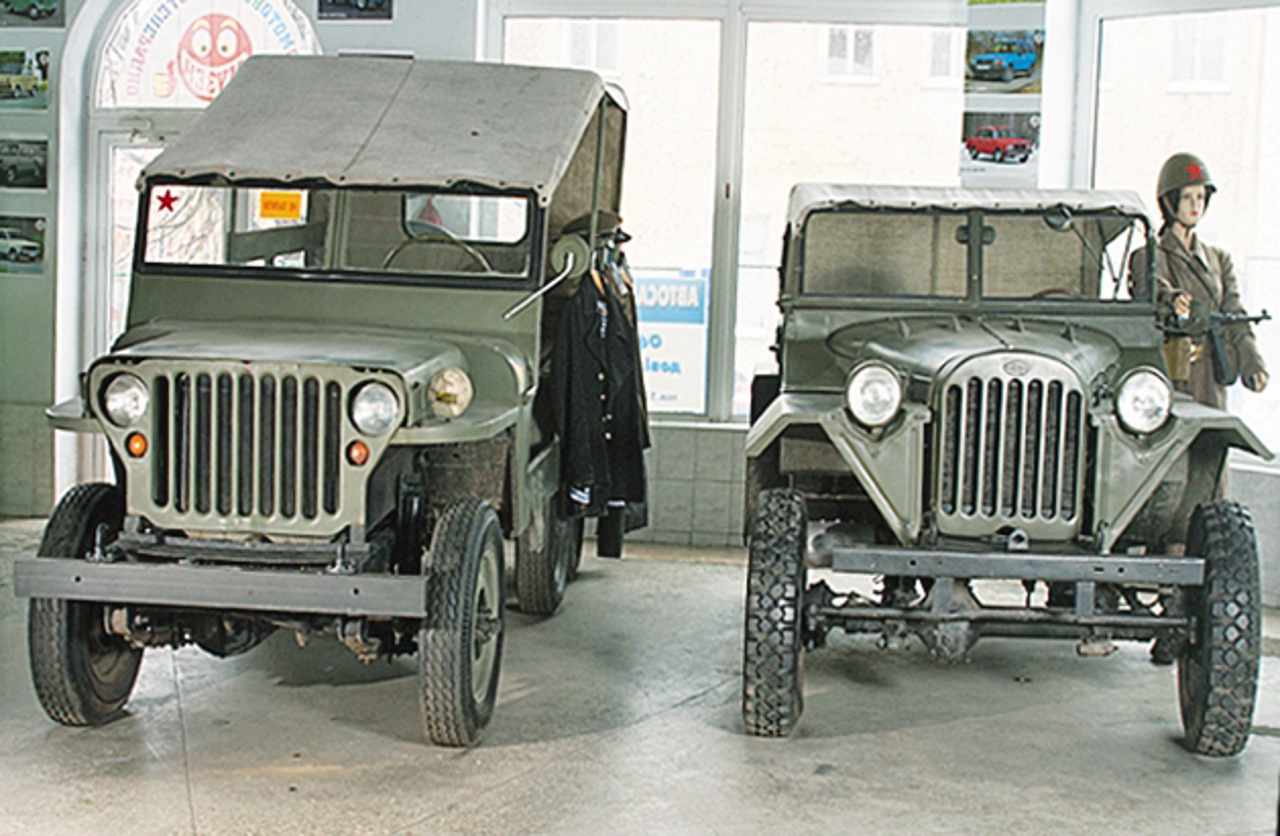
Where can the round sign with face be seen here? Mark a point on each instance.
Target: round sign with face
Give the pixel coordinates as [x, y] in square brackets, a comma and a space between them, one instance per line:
[182, 53]
[210, 52]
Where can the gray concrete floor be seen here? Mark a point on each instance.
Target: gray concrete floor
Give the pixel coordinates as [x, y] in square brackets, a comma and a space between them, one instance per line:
[621, 715]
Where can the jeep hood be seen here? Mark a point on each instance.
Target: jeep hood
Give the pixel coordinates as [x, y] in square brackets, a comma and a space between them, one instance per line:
[927, 346]
[411, 355]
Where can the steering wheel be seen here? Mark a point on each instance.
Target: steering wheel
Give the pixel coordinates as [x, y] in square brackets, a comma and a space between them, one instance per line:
[1055, 291]
[436, 234]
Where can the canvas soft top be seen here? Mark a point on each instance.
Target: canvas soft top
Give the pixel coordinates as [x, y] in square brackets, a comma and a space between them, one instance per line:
[810, 197]
[358, 121]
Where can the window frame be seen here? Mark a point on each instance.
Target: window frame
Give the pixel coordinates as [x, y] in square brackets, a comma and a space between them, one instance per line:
[734, 17]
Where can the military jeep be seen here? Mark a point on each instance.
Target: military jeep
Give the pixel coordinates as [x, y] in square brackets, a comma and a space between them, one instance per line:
[972, 394]
[328, 411]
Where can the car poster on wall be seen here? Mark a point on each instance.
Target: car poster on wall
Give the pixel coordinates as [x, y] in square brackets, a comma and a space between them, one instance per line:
[1004, 61]
[46, 13]
[182, 53]
[1003, 82]
[1000, 150]
[24, 79]
[22, 244]
[24, 163]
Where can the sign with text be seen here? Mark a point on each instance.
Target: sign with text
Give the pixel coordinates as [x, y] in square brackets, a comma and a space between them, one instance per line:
[672, 313]
[181, 53]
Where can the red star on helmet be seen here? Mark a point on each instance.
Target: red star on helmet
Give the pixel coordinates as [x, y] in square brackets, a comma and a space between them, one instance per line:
[1194, 172]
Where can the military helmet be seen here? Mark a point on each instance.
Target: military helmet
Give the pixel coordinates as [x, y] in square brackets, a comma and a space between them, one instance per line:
[1183, 169]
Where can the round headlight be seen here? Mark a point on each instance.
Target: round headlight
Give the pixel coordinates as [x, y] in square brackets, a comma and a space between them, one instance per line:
[124, 399]
[1144, 401]
[450, 392]
[874, 395]
[375, 409]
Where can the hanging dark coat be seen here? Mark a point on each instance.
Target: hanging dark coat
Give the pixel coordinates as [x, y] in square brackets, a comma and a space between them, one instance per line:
[598, 395]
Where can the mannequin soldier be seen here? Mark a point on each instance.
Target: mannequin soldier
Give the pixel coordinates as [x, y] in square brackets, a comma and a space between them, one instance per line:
[1187, 269]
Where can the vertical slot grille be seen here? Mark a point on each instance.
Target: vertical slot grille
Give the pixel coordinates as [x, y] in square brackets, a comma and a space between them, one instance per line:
[160, 433]
[332, 446]
[1010, 449]
[310, 445]
[182, 443]
[204, 440]
[234, 443]
[244, 447]
[289, 447]
[267, 447]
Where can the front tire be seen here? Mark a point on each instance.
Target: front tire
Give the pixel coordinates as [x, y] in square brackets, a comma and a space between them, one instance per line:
[460, 641]
[83, 675]
[773, 651]
[1218, 668]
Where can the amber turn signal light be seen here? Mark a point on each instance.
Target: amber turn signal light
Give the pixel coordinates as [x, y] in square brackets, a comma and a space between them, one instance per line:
[136, 444]
[358, 453]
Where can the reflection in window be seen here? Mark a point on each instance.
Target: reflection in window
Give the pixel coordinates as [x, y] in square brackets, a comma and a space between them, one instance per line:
[800, 128]
[850, 51]
[593, 45]
[669, 70]
[1197, 48]
[941, 64]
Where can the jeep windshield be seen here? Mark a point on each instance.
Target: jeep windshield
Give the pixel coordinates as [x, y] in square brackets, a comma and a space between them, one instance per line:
[363, 234]
[1051, 253]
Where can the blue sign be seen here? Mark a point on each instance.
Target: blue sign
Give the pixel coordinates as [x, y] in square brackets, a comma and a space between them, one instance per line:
[672, 300]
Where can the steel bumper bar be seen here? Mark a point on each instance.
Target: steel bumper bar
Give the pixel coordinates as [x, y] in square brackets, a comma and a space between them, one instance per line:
[220, 587]
[1179, 571]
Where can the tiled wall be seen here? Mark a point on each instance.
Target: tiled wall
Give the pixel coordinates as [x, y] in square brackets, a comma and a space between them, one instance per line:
[1257, 490]
[695, 485]
[26, 462]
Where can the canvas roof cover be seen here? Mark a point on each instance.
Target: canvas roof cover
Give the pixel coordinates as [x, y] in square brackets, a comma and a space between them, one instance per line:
[390, 121]
[811, 197]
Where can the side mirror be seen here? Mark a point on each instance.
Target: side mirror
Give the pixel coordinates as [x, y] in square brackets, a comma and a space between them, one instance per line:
[573, 253]
[570, 257]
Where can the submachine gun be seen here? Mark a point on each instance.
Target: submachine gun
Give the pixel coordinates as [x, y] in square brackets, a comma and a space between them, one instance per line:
[1207, 323]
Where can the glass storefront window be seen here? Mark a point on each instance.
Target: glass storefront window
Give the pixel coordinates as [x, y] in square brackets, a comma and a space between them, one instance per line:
[1165, 87]
[866, 108]
[670, 72]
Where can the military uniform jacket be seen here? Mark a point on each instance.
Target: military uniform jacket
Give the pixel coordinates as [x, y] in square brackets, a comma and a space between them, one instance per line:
[1206, 273]
[598, 394]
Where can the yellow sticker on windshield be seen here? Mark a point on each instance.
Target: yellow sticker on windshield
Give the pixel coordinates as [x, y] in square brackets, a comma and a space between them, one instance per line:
[281, 206]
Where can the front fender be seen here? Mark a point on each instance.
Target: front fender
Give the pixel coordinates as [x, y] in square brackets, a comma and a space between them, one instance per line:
[889, 465]
[1131, 470]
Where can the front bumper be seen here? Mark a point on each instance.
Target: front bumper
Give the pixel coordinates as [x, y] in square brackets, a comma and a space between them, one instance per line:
[221, 587]
[929, 563]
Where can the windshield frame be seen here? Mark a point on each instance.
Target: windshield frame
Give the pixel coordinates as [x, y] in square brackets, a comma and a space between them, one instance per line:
[534, 236]
[1140, 288]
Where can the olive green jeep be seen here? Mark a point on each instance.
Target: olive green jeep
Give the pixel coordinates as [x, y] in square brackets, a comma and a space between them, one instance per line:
[329, 409]
[972, 394]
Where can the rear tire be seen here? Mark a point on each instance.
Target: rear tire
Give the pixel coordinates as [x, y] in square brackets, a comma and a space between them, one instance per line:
[773, 652]
[543, 573]
[460, 640]
[1218, 668]
[83, 675]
